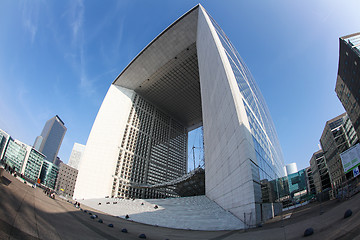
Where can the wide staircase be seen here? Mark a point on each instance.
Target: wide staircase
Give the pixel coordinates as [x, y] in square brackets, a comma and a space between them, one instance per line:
[195, 213]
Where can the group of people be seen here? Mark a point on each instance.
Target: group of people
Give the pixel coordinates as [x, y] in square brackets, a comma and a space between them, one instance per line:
[156, 206]
[10, 169]
[49, 192]
[77, 204]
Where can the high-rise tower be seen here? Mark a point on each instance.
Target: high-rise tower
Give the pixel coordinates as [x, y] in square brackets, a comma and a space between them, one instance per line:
[76, 154]
[188, 76]
[348, 78]
[51, 137]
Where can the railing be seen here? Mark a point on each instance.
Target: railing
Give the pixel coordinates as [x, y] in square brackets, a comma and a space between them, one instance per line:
[168, 183]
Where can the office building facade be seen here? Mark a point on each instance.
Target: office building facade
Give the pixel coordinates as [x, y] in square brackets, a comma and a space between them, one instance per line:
[14, 156]
[4, 139]
[51, 137]
[338, 136]
[320, 172]
[48, 175]
[32, 164]
[57, 161]
[76, 155]
[188, 76]
[23, 158]
[298, 185]
[310, 181]
[66, 180]
[348, 78]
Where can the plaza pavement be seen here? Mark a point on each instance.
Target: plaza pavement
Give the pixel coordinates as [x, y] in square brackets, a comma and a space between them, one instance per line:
[27, 213]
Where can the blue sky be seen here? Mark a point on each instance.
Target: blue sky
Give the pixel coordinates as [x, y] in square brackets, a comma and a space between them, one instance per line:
[60, 57]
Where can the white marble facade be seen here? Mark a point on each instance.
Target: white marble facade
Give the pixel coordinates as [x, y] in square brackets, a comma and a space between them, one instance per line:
[228, 140]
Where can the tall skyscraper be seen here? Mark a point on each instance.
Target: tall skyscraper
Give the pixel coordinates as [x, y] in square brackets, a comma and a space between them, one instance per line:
[51, 137]
[188, 76]
[76, 155]
[348, 79]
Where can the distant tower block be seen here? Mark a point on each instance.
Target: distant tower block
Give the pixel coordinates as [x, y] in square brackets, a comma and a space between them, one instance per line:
[38, 142]
[188, 76]
[51, 137]
[76, 155]
[291, 168]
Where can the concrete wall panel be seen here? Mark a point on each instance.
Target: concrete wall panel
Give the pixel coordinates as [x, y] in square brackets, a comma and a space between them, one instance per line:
[228, 142]
[98, 164]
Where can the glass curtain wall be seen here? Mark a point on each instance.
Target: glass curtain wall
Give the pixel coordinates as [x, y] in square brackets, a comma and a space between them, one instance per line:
[270, 163]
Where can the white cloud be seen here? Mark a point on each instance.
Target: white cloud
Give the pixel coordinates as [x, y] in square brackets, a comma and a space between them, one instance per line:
[32, 28]
[77, 19]
[86, 85]
[76, 53]
[30, 13]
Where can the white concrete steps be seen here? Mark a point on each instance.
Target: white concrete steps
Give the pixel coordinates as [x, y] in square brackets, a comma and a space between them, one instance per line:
[195, 213]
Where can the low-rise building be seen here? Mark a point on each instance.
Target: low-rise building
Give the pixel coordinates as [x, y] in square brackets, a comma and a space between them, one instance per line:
[66, 180]
[48, 175]
[14, 155]
[22, 158]
[32, 164]
[297, 184]
[4, 139]
[338, 136]
[27, 161]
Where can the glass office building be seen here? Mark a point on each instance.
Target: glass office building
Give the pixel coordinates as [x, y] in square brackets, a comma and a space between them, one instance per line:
[270, 163]
[33, 164]
[298, 184]
[49, 174]
[23, 158]
[4, 138]
[14, 155]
